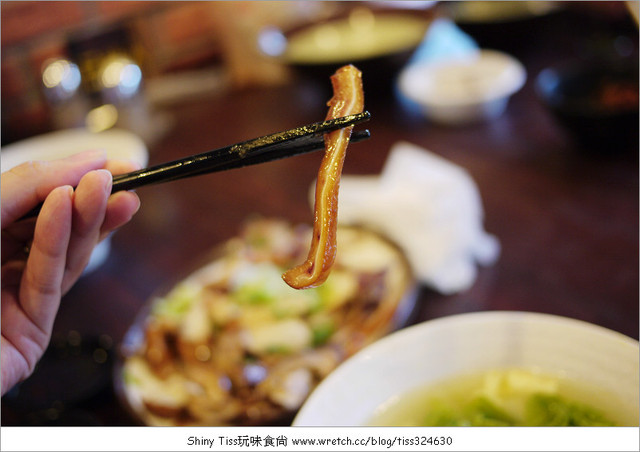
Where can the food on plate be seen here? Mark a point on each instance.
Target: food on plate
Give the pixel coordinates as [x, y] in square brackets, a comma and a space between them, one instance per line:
[348, 98]
[232, 344]
[505, 397]
[359, 36]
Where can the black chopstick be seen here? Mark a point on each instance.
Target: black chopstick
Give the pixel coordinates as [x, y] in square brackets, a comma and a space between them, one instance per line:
[302, 139]
[271, 147]
[297, 146]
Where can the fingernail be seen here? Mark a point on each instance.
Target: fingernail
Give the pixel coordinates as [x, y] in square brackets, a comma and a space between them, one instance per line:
[93, 154]
[68, 189]
[107, 179]
[135, 164]
[137, 205]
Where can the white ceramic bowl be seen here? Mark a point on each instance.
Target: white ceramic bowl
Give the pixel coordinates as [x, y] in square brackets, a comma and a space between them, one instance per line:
[470, 343]
[463, 89]
[119, 144]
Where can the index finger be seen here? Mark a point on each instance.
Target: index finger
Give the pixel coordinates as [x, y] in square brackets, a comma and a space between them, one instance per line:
[27, 185]
[40, 289]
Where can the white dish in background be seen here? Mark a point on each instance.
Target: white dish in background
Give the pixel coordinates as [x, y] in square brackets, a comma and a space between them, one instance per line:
[119, 144]
[470, 343]
[464, 89]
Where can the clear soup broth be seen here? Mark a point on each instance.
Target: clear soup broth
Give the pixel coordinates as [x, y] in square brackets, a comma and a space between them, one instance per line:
[507, 397]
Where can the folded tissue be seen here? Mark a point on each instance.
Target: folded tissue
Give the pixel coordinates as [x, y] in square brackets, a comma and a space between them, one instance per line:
[429, 207]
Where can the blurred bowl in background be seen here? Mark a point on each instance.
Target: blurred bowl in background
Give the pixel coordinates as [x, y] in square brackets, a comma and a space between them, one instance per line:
[596, 101]
[500, 12]
[506, 26]
[119, 144]
[464, 89]
[378, 41]
[449, 347]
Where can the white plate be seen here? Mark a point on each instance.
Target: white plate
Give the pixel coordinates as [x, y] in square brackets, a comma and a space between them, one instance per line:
[119, 144]
[468, 343]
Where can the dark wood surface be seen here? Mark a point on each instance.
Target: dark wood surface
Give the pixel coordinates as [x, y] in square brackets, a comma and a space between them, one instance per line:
[567, 221]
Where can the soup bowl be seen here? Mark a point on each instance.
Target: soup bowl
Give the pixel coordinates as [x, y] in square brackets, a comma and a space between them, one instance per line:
[433, 351]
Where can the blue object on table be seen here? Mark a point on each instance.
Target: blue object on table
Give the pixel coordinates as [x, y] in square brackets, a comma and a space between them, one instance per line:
[443, 40]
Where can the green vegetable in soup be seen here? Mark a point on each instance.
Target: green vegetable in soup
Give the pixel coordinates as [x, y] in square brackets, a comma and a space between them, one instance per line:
[550, 410]
[504, 397]
[479, 412]
[542, 410]
[482, 412]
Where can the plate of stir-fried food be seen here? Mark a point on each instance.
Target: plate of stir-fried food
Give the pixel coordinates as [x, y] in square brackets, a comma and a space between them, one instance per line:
[233, 344]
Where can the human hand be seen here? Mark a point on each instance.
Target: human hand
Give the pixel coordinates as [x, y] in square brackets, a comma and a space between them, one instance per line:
[43, 257]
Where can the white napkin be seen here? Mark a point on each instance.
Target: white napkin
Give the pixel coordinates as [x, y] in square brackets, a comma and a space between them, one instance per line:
[431, 208]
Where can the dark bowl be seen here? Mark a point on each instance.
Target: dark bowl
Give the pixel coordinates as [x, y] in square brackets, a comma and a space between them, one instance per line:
[506, 26]
[597, 101]
[378, 41]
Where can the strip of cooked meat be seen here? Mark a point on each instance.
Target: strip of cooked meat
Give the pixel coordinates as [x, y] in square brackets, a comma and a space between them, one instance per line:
[348, 98]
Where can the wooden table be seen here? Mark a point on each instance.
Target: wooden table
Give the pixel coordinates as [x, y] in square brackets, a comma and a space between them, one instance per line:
[567, 222]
